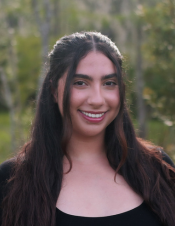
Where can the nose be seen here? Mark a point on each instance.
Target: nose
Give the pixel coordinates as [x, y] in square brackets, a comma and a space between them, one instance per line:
[96, 97]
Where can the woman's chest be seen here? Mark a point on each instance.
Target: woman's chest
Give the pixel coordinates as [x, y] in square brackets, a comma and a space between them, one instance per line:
[96, 195]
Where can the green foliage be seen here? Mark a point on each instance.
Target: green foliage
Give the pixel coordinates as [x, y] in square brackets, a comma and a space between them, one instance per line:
[5, 149]
[162, 135]
[29, 64]
[20, 35]
[5, 133]
[159, 50]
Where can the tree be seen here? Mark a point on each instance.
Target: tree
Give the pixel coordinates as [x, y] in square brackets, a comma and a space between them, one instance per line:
[159, 51]
[42, 12]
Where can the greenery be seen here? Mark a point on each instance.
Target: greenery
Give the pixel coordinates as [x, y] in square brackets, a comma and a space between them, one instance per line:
[143, 30]
[159, 50]
[5, 137]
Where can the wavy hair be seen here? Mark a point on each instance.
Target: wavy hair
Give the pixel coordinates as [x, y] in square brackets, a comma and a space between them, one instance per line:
[35, 185]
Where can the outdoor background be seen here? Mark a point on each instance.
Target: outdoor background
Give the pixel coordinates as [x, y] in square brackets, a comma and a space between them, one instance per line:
[143, 30]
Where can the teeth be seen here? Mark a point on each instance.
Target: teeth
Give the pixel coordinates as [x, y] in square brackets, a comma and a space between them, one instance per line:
[92, 115]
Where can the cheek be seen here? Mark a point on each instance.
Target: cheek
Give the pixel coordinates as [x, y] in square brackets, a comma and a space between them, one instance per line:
[77, 98]
[60, 104]
[114, 99]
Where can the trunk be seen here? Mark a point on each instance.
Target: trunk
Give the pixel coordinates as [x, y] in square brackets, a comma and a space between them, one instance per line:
[43, 23]
[56, 13]
[12, 58]
[8, 99]
[44, 51]
[141, 114]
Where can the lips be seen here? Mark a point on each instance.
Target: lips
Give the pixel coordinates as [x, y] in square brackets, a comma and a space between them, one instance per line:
[93, 116]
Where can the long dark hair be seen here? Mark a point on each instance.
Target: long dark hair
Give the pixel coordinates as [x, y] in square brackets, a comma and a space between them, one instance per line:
[35, 185]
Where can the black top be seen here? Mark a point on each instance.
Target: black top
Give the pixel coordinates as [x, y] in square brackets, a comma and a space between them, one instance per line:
[139, 216]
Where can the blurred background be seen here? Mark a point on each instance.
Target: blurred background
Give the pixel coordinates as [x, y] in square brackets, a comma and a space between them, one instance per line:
[143, 30]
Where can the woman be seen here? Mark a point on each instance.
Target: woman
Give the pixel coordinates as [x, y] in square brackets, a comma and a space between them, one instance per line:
[84, 163]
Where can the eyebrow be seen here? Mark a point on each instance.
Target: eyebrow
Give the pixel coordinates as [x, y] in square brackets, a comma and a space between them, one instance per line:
[91, 78]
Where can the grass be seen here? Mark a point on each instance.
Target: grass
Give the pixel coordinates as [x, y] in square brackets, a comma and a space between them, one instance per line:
[20, 136]
[5, 137]
[162, 135]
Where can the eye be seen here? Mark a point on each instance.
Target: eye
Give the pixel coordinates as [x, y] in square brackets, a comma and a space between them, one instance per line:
[110, 83]
[79, 83]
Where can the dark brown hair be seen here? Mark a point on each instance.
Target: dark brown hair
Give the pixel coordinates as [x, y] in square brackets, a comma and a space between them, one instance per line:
[36, 183]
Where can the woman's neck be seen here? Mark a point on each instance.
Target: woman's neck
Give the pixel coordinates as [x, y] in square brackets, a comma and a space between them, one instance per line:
[86, 149]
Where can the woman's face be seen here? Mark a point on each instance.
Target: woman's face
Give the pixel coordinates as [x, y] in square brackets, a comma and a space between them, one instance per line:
[94, 100]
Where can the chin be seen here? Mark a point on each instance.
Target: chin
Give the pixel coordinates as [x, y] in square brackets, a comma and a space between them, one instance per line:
[90, 132]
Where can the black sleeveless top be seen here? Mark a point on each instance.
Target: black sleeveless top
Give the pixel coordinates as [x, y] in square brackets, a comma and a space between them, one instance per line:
[139, 216]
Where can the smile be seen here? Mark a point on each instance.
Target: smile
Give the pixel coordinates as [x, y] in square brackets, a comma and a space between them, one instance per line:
[92, 115]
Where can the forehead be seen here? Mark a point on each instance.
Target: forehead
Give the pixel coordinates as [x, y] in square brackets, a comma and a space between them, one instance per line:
[95, 63]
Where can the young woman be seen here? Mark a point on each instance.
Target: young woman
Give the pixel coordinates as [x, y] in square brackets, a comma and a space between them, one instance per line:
[84, 164]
